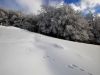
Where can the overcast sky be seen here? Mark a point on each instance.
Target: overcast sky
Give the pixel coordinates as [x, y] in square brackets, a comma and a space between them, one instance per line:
[31, 6]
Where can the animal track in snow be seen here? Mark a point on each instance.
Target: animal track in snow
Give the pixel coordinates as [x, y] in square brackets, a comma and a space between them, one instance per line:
[53, 59]
[28, 49]
[90, 74]
[77, 67]
[69, 66]
[81, 69]
[57, 46]
[46, 56]
[74, 65]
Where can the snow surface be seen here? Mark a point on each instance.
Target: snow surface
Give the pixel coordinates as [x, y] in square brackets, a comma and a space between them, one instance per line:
[27, 53]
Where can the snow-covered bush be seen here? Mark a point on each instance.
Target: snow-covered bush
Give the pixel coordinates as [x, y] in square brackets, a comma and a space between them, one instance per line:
[94, 25]
[63, 22]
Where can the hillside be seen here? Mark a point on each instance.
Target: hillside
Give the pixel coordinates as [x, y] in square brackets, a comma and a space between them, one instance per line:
[27, 53]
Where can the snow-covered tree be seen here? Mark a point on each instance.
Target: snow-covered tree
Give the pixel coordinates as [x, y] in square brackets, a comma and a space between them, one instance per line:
[63, 22]
[94, 26]
[96, 29]
[90, 19]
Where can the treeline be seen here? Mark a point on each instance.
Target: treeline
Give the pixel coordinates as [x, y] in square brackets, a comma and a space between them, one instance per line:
[63, 22]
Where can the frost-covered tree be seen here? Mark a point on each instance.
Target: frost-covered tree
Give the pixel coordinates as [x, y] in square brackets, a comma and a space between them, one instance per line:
[63, 22]
[90, 19]
[45, 17]
[3, 15]
[96, 29]
[94, 25]
[18, 19]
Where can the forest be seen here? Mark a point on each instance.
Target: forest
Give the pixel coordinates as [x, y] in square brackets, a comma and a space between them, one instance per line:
[60, 22]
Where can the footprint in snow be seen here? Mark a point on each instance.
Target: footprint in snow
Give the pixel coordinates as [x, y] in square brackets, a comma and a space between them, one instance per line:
[28, 49]
[90, 74]
[53, 59]
[69, 66]
[57, 46]
[77, 67]
[74, 65]
[44, 56]
[48, 57]
[81, 69]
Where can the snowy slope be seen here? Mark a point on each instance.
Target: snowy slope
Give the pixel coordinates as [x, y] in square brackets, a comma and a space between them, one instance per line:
[26, 53]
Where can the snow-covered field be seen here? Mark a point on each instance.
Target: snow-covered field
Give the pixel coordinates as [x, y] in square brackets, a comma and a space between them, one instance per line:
[27, 53]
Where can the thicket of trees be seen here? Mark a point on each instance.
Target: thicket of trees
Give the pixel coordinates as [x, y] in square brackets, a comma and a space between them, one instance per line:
[63, 22]
[18, 19]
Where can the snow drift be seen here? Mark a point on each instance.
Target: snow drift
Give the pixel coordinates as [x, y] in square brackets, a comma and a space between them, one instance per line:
[26, 53]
